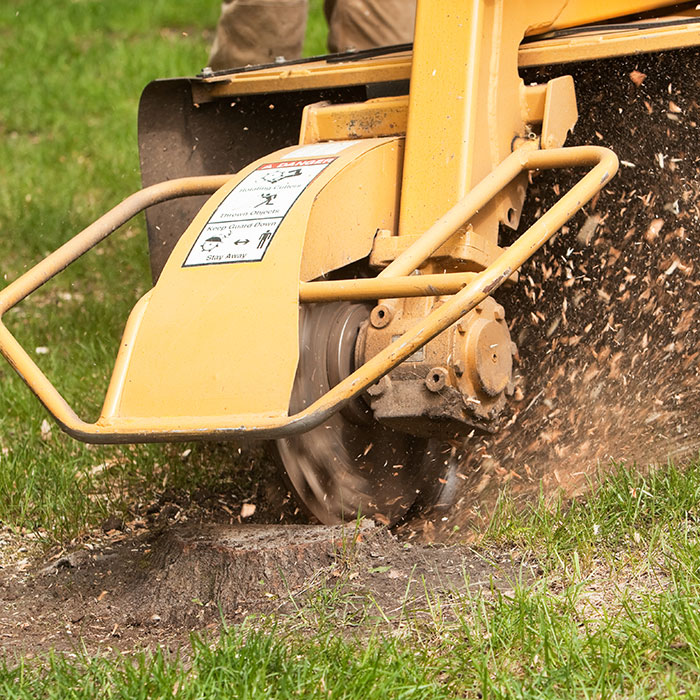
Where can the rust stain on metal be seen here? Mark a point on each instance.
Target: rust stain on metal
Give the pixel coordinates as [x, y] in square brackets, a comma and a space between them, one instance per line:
[499, 281]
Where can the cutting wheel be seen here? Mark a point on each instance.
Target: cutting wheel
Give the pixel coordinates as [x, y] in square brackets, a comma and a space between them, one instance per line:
[352, 464]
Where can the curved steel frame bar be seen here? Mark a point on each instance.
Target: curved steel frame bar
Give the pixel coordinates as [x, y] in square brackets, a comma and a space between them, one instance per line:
[472, 290]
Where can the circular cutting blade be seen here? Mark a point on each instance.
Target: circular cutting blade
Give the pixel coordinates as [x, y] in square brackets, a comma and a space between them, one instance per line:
[350, 465]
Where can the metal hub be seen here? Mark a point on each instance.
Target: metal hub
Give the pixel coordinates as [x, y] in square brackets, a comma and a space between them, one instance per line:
[490, 356]
[456, 383]
[352, 464]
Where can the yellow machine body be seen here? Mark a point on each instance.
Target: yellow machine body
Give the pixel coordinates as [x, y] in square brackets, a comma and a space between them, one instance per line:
[416, 186]
[198, 314]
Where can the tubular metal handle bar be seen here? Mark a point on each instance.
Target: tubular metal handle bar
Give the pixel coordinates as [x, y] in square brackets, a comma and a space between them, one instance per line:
[121, 429]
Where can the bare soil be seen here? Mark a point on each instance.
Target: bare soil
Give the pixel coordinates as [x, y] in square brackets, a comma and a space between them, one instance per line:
[151, 588]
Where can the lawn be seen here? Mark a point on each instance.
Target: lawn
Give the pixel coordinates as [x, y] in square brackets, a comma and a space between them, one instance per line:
[615, 611]
[612, 614]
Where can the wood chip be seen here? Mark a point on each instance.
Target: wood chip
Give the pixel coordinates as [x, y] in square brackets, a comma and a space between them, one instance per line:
[652, 233]
[247, 510]
[637, 77]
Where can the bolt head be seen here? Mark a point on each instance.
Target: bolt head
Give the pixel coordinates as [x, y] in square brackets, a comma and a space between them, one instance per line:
[381, 316]
[436, 379]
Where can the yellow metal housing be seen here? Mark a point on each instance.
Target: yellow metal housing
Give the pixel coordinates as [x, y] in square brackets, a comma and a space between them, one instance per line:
[272, 422]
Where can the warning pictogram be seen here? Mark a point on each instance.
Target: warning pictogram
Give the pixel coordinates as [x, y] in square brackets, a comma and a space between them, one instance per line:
[244, 225]
[264, 238]
[267, 199]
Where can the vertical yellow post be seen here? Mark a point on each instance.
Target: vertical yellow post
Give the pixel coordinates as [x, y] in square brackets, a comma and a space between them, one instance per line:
[465, 103]
[464, 109]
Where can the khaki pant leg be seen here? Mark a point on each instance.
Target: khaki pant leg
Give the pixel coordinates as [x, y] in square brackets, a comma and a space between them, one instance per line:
[367, 24]
[251, 32]
[328, 8]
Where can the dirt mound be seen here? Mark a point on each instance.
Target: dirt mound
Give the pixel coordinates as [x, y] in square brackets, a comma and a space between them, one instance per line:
[154, 588]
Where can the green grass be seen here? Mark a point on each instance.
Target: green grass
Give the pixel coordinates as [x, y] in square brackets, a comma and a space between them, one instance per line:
[74, 74]
[631, 509]
[244, 664]
[316, 30]
[621, 622]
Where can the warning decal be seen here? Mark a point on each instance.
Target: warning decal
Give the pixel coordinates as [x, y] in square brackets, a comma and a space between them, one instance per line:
[316, 150]
[244, 224]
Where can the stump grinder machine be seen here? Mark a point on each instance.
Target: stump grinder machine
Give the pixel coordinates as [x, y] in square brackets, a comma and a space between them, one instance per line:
[326, 237]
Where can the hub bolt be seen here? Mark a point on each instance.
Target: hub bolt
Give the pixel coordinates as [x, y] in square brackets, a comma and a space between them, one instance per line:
[381, 316]
[436, 378]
